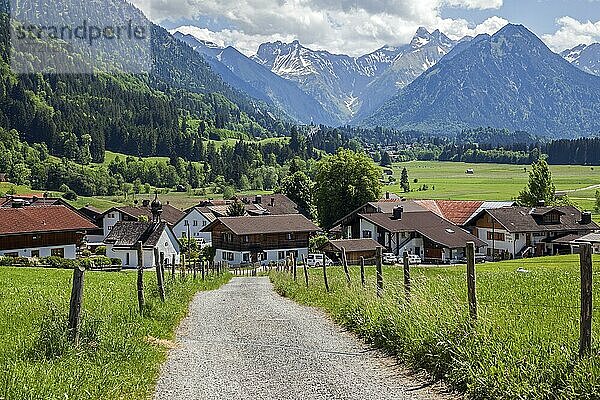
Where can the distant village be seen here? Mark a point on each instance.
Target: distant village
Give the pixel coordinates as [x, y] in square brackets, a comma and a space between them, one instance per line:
[273, 229]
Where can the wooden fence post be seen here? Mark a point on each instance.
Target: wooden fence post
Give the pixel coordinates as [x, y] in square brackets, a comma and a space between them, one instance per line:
[195, 267]
[173, 267]
[585, 327]
[183, 266]
[406, 261]
[362, 272]
[345, 262]
[140, 277]
[295, 267]
[471, 286]
[325, 273]
[75, 304]
[162, 268]
[159, 259]
[378, 264]
[203, 266]
[305, 269]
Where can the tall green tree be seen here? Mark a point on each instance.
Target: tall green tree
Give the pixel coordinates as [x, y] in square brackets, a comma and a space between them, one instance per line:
[386, 160]
[540, 186]
[298, 187]
[236, 209]
[404, 181]
[344, 182]
[597, 201]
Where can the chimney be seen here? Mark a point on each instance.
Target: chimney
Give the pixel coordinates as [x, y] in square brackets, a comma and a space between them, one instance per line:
[398, 211]
[272, 201]
[258, 199]
[146, 203]
[387, 195]
[586, 218]
[18, 203]
[541, 203]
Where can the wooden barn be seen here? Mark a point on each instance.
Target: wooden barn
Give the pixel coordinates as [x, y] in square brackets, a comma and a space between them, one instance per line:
[355, 249]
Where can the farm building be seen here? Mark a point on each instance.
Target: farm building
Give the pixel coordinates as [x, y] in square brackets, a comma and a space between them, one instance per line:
[264, 239]
[193, 221]
[593, 238]
[42, 231]
[123, 240]
[355, 249]
[516, 232]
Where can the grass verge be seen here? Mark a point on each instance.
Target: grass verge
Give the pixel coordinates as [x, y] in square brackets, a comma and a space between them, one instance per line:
[120, 352]
[524, 345]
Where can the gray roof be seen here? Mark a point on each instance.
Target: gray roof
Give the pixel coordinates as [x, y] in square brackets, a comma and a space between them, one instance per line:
[590, 238]
[523, 219]
[429, 225]
[129, 233]
[355, 245]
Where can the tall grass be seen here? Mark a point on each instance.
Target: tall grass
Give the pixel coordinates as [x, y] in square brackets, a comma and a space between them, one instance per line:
[523, 346]
[118, 356]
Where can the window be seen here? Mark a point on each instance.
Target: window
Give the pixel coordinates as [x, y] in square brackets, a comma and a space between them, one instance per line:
[204, 223]
[403, 235]
[367, 234]
[495, 236]
[552, 218]
[35, 253]
[290, 236]
[183, 235]
[13, 255]
[281, 255]
[58, 252]
[186, 223]
[246, 239]
[227, 256]
[195, 223]
[517, 236]
[110, 228]
[246, 257]
[127, 259]
[111, 215]
[226, 237]
[265, 256]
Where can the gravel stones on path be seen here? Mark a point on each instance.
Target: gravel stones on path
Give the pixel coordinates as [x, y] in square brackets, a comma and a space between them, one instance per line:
[244, 341]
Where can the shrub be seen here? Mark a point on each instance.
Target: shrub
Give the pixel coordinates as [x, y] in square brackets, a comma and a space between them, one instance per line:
[101, 251]
[58, 262]
[116, 262]
[86, 253]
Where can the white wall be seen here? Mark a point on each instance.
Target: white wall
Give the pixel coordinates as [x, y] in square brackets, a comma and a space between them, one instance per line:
[272, 255]
[110, 219]
[196, 222]
[167, 244]
[368, 226]
[70, 251]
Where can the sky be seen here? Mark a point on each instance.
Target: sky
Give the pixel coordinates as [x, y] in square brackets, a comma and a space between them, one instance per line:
[357, 27]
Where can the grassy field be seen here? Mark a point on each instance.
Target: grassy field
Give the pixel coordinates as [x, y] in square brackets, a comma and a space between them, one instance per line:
[491, 181]
[524, 345]
[120, 352]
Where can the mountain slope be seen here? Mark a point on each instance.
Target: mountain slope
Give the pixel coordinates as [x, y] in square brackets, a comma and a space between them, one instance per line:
[508, 80]
[585, 57]
[257, 81]
[425, 50]
[354, 87]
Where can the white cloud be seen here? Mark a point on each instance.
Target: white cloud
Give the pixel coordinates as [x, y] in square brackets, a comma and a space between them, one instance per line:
[571, 33]
[352, 27]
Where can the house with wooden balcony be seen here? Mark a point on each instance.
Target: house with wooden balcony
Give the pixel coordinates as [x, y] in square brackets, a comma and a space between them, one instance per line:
[264, 239]
[517, 232]
[42, 231]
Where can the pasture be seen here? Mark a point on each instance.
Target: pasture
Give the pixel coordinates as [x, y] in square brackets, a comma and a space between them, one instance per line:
[449, 181]
[524, 345]
[120, 351]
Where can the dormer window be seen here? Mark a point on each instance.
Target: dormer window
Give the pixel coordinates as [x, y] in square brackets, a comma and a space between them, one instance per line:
[552, 218]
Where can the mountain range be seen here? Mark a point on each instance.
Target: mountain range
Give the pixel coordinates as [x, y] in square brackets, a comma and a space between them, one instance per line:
[508, 80]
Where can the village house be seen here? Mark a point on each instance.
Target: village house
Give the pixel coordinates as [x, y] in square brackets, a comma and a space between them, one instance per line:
[123, 240]
[171, 215]
[263, 239]
[193, 222]
[42, 231]
[354, 248]
[197, 218]
[516, 232]
[592, 238]
[404, 225]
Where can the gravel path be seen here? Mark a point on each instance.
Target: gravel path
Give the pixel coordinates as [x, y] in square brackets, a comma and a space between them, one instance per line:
[244, 341]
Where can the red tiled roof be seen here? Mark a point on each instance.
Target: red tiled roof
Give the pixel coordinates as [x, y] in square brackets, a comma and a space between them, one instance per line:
[458, 212]
[41, 219]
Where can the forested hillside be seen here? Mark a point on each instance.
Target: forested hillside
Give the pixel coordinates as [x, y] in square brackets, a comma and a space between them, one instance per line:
[141, 114]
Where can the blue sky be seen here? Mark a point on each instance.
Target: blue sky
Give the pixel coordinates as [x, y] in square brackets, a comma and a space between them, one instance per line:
[359, 26]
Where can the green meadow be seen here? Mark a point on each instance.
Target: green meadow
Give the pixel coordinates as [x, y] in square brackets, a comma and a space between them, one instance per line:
[523, 346]
[448, 180]
[120, 351]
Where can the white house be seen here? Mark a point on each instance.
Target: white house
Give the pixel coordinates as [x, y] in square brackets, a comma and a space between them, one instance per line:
[42, 231]
[515, 232]
[123, 240]
[192, 224]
